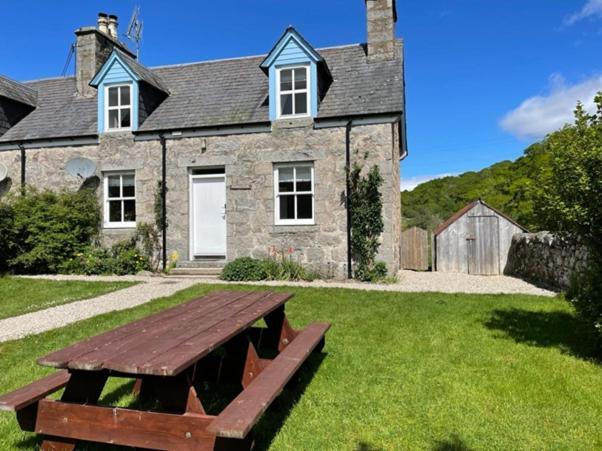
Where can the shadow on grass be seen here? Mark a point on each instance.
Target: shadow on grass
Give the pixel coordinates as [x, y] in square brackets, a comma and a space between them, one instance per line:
[274, 418]
[363, 446]
[547, 329]
[454, 443]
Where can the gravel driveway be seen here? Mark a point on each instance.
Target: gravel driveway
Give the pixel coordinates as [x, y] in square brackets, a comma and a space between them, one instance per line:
[151, 288]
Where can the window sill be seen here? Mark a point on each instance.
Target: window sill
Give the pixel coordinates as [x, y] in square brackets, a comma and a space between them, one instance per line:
[292, 122]
[293, 228]
[121, 226]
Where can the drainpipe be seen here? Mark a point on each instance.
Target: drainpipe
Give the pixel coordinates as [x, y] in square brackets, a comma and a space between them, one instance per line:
[348, 194]
[164, 197]
[23, 163]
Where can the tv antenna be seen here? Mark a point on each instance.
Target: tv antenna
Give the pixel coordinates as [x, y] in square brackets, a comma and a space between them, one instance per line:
[81, 168]
[134, 32]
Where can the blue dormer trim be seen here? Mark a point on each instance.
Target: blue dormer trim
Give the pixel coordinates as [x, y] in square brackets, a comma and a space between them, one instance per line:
[113, 73]
[292, 50]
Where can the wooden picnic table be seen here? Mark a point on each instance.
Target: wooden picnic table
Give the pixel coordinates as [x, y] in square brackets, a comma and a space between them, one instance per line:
[169, 354]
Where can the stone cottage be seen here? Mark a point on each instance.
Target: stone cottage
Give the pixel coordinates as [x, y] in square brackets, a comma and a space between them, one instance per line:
[253, 150]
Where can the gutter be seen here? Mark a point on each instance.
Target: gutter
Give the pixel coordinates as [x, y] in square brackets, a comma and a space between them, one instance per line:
[348, 128]
[23, 166]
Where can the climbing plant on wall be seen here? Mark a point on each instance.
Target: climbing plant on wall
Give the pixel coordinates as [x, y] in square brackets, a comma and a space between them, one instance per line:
[366, 208]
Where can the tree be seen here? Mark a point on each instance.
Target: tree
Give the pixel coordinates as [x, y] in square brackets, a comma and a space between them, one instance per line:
[569, 201]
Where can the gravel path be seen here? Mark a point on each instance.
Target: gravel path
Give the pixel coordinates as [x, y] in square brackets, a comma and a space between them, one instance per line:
[151, 288]
[148, 289]
[415, 282]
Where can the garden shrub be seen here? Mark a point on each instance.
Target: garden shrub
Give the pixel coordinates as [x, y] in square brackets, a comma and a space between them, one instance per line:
[121, 259]
[49, 227]
[569, 202]
[6, 243]
[244, 269]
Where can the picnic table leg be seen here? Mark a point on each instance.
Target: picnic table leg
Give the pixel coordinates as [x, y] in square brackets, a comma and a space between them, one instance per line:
[176, 394]
[280, 332]
[84, 387]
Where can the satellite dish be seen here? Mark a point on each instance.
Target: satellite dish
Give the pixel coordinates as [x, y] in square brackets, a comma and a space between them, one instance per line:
[3, 172]
[81, 167]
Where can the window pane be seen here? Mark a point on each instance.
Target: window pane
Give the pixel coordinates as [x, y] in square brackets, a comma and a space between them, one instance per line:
[285, 180]
[113, 119]
[301, 103]
[129, 186]
[114, 185]
[287, 207]
[113, 96]
[129, 210]
[125, 118]
[125, 95]
[115, 211]
[304, 209]
[303, 178]
[286, 104]
[300, 78]
[286, 80]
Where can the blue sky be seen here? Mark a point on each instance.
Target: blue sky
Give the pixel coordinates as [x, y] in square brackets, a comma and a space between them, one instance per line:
[484, 78]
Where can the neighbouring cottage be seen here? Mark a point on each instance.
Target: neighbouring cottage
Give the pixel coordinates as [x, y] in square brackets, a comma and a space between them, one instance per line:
[475, 240]
[253, 150]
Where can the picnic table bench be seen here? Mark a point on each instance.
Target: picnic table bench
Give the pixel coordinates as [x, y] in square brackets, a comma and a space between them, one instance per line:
[170, 354]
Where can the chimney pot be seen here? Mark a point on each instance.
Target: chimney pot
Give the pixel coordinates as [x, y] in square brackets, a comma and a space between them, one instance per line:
[103, 23]
[113, 26]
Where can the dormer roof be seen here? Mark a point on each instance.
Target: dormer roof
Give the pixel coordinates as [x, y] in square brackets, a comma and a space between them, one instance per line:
[136, 70]
[290, 34]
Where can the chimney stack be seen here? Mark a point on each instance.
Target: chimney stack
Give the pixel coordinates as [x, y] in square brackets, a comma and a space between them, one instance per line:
[93, 47]
[103, 23]
[113, 24]
[381, 17]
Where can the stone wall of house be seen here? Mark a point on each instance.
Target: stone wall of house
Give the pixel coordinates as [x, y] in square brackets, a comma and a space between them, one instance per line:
[545, 259]
[249, 161]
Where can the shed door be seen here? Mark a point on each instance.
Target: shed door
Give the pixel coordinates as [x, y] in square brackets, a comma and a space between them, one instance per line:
[484, 245]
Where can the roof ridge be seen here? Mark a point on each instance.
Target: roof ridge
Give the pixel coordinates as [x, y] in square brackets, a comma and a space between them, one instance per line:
[60, 77]
[237, 58]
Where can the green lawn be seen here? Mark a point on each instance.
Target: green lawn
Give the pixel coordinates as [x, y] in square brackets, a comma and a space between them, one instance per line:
[400, 371]
[19, 296]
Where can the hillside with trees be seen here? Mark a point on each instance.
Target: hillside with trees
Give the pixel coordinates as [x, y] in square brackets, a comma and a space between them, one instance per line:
[507, 186]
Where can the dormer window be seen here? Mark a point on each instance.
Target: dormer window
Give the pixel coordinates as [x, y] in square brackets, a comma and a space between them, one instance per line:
[119, 108]
[293, 95]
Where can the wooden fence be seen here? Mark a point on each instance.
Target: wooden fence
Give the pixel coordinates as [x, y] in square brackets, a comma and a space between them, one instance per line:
[414, 249]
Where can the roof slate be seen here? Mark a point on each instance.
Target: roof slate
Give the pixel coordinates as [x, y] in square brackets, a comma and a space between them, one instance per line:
[219, 93]
[17, 91]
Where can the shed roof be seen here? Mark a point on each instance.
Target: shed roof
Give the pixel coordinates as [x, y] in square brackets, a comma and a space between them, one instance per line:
[457, 215]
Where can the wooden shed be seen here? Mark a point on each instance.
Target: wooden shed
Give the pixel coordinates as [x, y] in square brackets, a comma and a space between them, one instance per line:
[475, 240]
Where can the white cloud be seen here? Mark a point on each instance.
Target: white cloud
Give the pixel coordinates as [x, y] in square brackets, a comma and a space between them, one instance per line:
[408, 184]
[593, 8]
[539, 115]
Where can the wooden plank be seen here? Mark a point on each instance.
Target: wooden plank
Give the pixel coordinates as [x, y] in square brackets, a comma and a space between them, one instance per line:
[124, 427]
[239, 417]
[143, 342]
[177, 358]
[61, 358]
[35, 391]
[165, 342]
[414, 253]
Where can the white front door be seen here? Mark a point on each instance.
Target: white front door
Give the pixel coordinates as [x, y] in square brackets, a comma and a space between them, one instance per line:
[208, 215]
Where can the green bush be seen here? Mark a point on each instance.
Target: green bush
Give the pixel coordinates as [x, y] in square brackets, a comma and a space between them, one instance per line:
[245, 269]
[121, 259]
[6, 243]
[48, 228]
[377, 273]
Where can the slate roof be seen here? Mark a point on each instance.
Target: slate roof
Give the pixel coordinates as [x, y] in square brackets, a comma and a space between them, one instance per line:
[146, 75]
[219, 93]
[17, 91]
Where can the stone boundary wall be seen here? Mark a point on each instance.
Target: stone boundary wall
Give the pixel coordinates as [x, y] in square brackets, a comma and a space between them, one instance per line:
[545, 259]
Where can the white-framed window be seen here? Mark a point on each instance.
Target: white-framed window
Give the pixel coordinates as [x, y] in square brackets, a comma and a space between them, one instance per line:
[294, 194]
[293, 92]
[120, 200]
[118, 108]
